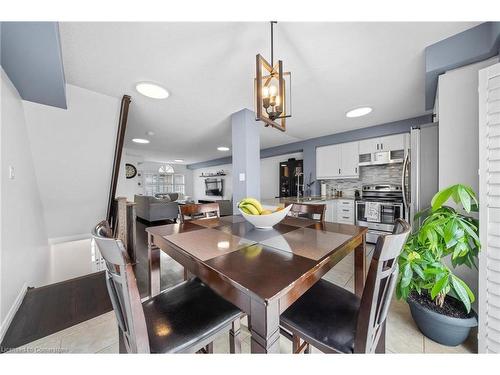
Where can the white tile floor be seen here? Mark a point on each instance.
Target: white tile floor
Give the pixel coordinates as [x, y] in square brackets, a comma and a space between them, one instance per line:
[100, 335]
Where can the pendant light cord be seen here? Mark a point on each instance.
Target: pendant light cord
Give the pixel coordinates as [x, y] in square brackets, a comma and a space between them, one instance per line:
[272, 43]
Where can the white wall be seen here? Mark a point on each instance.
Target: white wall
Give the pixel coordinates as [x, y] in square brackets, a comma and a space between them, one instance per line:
[269, 178]
[24, 249]
[199, 182]
[459, 135]
[73, 154]
[270, 174]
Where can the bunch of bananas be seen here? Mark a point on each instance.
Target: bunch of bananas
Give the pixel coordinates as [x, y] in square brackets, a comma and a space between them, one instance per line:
[252, 206]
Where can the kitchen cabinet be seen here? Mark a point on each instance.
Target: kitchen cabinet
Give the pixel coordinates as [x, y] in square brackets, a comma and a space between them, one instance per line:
[345, 211]
[337, 161]
[389, 143]
[331, 211]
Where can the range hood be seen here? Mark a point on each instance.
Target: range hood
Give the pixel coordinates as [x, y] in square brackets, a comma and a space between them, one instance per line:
[382, 157]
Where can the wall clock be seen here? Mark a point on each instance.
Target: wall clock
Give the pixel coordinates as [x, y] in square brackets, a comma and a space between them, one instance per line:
[130, 171]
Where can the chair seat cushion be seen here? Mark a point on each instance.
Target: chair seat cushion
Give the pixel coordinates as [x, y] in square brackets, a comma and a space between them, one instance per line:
[184, 315]
[325, 314]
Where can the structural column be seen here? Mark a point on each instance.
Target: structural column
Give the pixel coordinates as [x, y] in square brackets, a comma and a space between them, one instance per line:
[246, 156]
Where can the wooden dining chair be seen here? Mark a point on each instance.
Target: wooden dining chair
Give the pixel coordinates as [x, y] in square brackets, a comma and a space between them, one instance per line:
[335, 320]
[308, 211]
[184, 319]
[198, 211]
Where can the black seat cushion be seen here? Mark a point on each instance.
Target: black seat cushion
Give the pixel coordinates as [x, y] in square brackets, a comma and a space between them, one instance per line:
[326, 314]
[184, 315]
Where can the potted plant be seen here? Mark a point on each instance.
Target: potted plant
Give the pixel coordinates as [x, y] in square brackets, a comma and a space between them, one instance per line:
[440, 302]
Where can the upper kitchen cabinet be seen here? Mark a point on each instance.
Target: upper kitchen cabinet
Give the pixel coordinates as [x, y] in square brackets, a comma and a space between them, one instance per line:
[389, 143]
[337, 161]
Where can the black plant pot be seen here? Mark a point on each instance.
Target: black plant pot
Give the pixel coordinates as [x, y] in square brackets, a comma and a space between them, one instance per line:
[441, 328]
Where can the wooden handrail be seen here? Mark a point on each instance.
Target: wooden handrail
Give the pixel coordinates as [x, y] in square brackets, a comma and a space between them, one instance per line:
[120, 139]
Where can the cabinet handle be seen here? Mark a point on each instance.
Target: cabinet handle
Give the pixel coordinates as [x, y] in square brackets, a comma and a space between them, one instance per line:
[377, 146]
[345, 210]
[343, 217]
[355, 169]
[339, 170]
[381, 146]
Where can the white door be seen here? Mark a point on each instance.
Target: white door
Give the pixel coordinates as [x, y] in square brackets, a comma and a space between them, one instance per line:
[349, 156]
[392, 142]
[489, 204]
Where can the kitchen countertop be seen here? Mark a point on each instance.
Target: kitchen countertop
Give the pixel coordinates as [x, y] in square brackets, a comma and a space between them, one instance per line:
[312, 199]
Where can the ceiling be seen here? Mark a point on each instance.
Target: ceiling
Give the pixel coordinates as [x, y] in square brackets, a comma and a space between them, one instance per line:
[208, 69]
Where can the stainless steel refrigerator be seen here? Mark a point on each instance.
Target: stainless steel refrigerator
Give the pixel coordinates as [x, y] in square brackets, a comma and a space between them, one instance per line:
[420, 170]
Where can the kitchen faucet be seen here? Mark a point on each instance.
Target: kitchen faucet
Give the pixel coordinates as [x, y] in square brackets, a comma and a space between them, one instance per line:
[298, 182]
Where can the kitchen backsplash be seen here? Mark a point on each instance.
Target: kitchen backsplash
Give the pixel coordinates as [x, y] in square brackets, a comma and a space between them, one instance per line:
[372, 174]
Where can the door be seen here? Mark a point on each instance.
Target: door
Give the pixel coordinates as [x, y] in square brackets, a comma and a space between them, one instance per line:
[489, 210]
[349, 157]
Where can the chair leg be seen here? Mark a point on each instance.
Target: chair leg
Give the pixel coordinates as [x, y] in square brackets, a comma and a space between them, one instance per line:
[235, 337]
[210, 348]
[295, 344]
[121, 342]
[308, 349]
[186, 275]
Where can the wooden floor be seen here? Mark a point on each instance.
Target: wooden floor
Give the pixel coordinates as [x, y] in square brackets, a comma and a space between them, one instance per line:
[54, 307]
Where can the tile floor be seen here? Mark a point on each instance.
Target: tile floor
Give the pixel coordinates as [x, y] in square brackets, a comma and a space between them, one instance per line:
[100, 335]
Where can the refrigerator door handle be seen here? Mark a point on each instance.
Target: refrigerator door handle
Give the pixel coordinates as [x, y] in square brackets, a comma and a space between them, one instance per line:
[403, 181]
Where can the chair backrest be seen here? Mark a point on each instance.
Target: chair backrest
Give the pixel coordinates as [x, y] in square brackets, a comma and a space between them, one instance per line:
[122, 289]
[379, 288]
[308, 210]
[198, 211]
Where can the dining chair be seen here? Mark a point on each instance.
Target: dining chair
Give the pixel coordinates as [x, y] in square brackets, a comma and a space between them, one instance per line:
[335, 320]
[198, 211]
[308, 210]
[184, 319]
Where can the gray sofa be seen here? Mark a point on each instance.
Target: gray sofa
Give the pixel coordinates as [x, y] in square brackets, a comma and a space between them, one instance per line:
[153, 209]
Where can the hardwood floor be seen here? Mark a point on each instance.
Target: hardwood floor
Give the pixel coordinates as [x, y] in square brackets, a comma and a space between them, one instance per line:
[55, 307]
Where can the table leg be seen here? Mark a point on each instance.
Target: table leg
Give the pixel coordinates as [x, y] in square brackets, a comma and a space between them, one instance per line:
[265, 327]
[360, 268]
[381, 341]
[153, 267]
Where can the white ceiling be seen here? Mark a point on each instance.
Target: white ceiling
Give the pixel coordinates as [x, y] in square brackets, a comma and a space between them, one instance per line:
[209, 68]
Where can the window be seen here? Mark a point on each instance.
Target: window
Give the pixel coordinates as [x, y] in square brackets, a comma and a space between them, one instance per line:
[165, 181]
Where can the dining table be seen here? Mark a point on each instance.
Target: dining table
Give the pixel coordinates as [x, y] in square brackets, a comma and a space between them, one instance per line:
[261, 271]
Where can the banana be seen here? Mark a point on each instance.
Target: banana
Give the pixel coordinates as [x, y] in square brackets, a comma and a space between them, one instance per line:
[245, 210]
[249, 207]
[254, 202]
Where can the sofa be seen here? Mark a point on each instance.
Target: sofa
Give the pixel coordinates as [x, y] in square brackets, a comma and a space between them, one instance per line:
[153, 209]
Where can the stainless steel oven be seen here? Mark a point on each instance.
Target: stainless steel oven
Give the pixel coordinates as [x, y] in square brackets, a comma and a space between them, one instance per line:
[387, 201]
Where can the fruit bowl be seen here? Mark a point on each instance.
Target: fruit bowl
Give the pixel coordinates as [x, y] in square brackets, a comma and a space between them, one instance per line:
[266, 221]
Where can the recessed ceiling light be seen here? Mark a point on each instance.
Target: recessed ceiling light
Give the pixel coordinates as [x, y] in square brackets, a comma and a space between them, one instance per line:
[223, 148]
[140, 140]
[358, 112]
[179, 160]
[152, 90]
[149, 132]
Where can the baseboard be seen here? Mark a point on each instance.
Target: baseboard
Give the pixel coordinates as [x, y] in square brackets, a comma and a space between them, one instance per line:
[12, 311]
[76, 237]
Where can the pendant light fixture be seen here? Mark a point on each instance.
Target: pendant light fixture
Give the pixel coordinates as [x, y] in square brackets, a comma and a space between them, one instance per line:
[272, 90]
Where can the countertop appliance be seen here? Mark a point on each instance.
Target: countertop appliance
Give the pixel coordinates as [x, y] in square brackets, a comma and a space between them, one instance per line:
[378, 209]
[420, 171]
[291, 178]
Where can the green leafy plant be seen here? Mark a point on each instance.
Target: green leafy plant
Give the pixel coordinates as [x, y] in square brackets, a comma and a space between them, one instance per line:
[445, 232]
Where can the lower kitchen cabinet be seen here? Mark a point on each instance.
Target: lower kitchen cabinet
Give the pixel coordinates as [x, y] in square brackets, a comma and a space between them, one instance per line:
[345, 211]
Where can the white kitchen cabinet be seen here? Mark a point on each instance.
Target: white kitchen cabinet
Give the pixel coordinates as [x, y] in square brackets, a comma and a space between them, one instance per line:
[389, 143]
[349, 157]
[337, 161]
[392, 142]
[331, 211]
[345, 211]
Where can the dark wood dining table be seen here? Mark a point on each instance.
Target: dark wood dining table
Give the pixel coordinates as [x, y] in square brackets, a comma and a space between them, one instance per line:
[260, 271]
